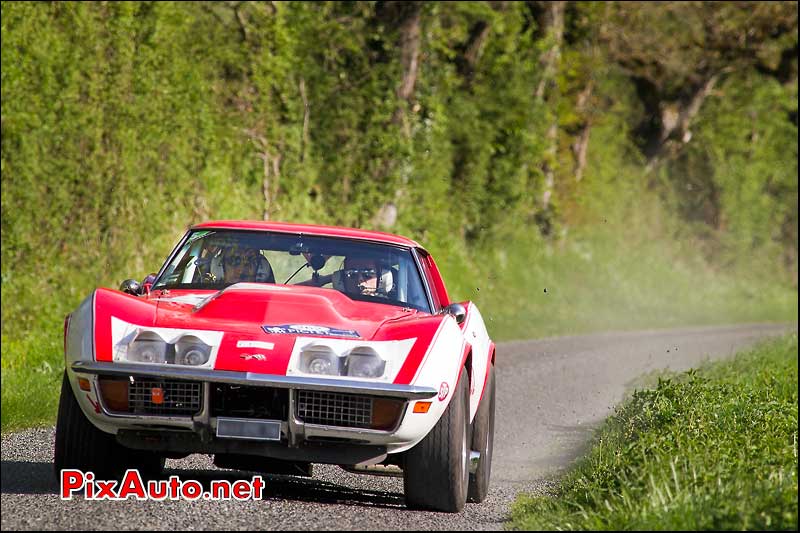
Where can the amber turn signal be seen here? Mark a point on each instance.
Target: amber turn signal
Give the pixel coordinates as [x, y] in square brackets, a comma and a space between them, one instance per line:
[385, 413]
[115, 393]
[422, 407]
[84, 384]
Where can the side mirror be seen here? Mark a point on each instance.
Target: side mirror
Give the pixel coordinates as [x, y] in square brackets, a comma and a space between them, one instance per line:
[147, 283]
[458, 311]
[131, 286]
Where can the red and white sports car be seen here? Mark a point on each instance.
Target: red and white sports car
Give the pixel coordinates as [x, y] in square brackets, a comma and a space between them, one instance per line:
[274, 346]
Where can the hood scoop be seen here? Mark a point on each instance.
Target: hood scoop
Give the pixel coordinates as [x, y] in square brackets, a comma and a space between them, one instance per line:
[292, 308]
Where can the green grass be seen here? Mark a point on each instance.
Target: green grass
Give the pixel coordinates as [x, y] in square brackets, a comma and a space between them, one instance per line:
[714, 448]
[607, 279]
[31, 379]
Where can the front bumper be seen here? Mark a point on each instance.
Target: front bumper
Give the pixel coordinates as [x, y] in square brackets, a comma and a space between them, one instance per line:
[300, 441]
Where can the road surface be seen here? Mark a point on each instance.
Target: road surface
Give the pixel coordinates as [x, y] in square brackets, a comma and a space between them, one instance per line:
[551, 395]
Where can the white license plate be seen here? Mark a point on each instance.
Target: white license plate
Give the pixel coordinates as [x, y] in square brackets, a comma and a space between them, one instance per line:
[247, 428]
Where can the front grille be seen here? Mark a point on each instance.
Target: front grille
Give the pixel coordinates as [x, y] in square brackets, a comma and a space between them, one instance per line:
[179, 397]
[240, 401]
[334, 409]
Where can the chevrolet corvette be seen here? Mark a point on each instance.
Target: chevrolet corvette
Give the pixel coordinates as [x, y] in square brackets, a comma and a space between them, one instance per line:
[273, 346]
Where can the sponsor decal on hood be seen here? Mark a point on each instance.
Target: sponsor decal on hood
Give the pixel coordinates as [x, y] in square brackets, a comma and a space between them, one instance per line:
[310, 329]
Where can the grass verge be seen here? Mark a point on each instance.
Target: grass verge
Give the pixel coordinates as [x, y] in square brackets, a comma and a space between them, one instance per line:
[714, 448]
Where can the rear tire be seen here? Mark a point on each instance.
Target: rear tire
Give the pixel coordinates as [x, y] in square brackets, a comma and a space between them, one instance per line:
[436, 472]
[80, 445]
[482, 441]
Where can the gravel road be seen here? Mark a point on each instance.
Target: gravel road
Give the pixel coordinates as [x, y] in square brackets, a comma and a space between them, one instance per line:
[551, 394]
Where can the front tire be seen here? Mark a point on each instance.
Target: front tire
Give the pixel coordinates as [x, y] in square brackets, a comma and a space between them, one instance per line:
[436, 472]
[80, 445]
[483, 442]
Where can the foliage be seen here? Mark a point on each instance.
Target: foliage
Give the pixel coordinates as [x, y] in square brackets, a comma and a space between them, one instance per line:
[123, 123]
[709, 449]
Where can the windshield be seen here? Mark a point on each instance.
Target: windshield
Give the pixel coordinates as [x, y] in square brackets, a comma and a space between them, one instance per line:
[366, 271]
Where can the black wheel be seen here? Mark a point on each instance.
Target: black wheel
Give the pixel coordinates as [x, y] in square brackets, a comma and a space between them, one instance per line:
[436, 471]
[80, 445]
[482, 441]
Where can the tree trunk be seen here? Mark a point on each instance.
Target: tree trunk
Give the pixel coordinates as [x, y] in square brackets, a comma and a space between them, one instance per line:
[581, 149]
[554, 22]
[265, 185]
[466, 61]
[676, 118]
[549, 164]
[276, 180]
[409, 57]
[409, 45]
[271, 170]
[306, 112]
[581, 146]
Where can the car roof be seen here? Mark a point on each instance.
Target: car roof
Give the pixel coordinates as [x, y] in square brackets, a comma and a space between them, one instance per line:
[308, 229]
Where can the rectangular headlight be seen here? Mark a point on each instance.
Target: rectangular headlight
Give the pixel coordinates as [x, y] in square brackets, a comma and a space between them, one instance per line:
[147, 347]
[349, 359]
[320, 359]
[140, 344]
[364, 362]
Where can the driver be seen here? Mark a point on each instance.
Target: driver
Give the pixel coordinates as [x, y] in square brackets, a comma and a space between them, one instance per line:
[364, 276]
[359, 276]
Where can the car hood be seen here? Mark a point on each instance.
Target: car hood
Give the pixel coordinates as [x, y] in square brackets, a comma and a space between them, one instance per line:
[247, 305]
